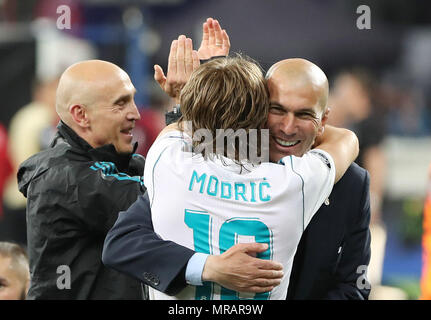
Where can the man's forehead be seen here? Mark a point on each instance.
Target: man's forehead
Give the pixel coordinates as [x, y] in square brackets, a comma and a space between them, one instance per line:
[120, 84]
[296, 96]
[296, 108]
[127, 93]
[5, 265]
[124, 87]
[123, 75]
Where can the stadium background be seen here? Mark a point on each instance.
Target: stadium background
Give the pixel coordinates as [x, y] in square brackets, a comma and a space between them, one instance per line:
[136, 34]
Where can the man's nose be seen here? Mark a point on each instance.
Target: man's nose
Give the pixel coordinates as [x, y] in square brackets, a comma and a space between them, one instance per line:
[288, 124]
[134, 112]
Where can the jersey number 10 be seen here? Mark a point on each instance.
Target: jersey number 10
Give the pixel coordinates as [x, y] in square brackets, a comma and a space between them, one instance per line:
[230, 231]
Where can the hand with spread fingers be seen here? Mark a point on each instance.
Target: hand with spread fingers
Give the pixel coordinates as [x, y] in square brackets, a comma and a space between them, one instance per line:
[238, 269]
[183, 60]
[215, 41]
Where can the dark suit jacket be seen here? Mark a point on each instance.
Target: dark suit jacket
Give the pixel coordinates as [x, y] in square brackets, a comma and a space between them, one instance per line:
[335, 244]
[132, 247]
[319, 270]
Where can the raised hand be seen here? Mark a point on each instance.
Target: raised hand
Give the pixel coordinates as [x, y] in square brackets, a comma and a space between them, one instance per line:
[183, 60]
[215, 41]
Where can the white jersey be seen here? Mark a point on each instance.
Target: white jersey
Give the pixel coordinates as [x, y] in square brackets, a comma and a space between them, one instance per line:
[211, 205]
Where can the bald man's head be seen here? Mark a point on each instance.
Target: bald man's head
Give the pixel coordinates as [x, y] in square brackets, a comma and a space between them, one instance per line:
[297, 73]
[85, 83]
[96, 99]
[298, 91]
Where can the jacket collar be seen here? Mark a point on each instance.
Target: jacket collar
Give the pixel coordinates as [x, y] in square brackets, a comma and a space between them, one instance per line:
[105, 153]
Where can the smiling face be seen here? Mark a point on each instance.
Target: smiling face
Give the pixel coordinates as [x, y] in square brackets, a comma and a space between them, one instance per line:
[112, 119]
[96, 99]
[298, 110]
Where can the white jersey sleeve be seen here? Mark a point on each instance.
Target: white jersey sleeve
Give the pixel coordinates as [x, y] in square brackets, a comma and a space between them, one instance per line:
[317, 171]
[164, 153]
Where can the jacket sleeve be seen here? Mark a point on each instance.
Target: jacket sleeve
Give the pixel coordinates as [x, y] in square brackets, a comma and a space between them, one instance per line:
[352, 282]
[132, 247]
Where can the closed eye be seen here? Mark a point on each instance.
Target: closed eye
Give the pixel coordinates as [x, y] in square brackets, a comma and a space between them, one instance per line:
[121, 101]
[3, 283]
[274, 109]
[306, 115]
[124, 99]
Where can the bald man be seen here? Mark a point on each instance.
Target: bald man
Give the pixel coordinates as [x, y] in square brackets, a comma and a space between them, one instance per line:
[334, 252]
[333, 255]
[76, 188]
[298, 113]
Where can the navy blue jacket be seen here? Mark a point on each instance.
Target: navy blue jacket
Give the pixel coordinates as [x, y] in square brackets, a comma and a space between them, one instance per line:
[334, 245]
[132, 247]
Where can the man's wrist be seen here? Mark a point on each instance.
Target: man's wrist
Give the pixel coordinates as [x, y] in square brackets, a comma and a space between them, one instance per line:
[202, 61]
[208, 273]
[195, 268]
[174, 115]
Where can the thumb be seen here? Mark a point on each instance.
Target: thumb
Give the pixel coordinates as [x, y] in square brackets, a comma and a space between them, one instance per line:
[159, 75]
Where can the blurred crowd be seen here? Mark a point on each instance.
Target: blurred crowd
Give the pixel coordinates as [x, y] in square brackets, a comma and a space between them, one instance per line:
[378, 106]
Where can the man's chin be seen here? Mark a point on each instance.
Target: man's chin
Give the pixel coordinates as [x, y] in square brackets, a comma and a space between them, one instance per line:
[278, 151]
[277, 156]
[124, 149]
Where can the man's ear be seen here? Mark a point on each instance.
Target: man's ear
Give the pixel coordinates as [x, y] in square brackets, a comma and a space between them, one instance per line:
[79, 115]
[323, 121]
